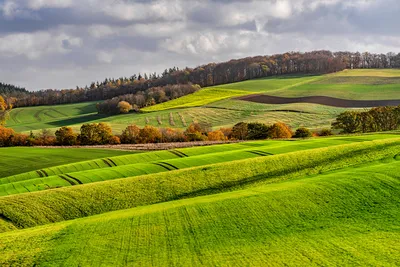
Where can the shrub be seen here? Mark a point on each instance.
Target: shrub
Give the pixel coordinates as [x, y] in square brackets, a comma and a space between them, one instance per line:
[95, 134]
[348, 121]
[240, 131]
[257, 131]
[325, 132]
[124, 107]
[150, 134]
[6, 135]
[66, 136]
[279, 130]
[130, 135]
[217, 135]
[172, 135]
[302, 132]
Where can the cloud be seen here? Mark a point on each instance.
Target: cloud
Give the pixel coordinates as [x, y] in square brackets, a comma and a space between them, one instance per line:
[64, 43]
[33, 46]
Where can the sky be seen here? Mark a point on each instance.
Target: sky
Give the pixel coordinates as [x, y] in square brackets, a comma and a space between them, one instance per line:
[60, 44]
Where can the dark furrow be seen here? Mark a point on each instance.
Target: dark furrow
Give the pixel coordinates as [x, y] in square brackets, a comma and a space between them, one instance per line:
[106, 162]
[175, 153]
[39, 173]
[168, 164]
[66, 179]
[73, 178]
[180, 152]
[256, 153]
[161, 165]
[45, 173]
[112, 161]
[263, 152]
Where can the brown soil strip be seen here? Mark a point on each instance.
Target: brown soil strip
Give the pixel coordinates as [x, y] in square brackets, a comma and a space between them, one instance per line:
[323, 100]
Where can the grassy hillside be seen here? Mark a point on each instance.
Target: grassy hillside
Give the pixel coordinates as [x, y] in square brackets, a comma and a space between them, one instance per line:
[36, 118]
[111, 168]
[16, 160]
[349, 217]
[217, 105]
[27, 210]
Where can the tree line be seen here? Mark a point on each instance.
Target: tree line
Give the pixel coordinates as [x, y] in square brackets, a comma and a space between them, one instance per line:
[316, 62]
[152, 96]
[101, 134]
[374, 120]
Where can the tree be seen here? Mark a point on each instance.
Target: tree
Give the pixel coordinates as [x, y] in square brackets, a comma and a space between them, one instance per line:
[130, 135]
[240, 131]
[325, 132]
[6, 136]
[150, 134]
[302, 132]
[95, 134]
[66, 136]
[124, 107]
[280, 130]
[3, 110]
[348, 121]
[217, 135]
[257, 131]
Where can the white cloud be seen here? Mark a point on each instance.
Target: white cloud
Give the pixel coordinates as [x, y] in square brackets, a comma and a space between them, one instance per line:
[33, 46]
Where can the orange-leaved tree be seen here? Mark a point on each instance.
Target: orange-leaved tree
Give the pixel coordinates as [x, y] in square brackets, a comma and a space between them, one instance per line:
[280, 130]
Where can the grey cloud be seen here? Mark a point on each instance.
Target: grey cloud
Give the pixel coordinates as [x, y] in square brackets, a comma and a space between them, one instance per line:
[56, 47]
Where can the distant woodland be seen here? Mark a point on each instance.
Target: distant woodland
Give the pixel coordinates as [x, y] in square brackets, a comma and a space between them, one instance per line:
[153, 88]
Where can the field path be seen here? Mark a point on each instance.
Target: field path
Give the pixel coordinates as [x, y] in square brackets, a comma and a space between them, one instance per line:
[323, 100]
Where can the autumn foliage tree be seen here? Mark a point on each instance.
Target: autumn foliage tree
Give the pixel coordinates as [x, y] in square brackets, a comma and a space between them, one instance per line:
[3, 110]
[124, 107]
[66, 136]
[130, 135]
[150, 134]
[217, 135]
[280, 130]
[95, 134]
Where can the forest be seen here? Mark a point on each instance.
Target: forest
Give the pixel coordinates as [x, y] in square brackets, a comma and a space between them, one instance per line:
[316, 62]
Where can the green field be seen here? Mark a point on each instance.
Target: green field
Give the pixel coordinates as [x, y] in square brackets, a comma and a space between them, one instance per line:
[217, 105]
[336, 203]
[16, 160]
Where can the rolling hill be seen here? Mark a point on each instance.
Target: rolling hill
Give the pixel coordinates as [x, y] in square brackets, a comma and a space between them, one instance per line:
[334, 203]
[221, 105]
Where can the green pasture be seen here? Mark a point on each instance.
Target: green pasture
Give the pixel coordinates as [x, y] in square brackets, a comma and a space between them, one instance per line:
[349, 217]
[161, 161]
[15, 160]
[49, 206]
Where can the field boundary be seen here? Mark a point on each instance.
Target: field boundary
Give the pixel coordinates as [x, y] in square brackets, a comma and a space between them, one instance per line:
[322, 100]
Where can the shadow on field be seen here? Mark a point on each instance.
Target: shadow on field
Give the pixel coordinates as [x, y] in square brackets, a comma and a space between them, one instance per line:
[77, 120]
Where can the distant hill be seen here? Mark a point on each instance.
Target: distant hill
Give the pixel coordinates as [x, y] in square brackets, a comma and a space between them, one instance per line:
[224, 105]
[315, 62]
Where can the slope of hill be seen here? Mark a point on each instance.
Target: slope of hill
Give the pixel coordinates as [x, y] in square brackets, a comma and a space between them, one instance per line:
[16, 160]
[342, 216]
[219, 105]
